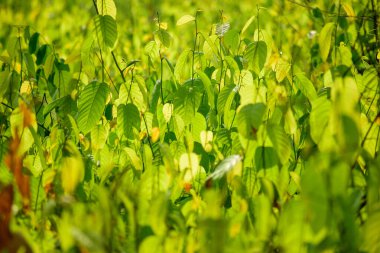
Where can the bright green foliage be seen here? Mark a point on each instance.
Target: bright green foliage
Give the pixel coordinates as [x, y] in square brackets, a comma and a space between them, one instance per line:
[91, 105]
[106, 31]
[325, 40]
[106, 7]
[189, 126]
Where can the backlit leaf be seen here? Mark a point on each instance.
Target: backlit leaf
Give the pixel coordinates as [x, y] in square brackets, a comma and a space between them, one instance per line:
[106, 31]
[185, 19]
[249, 119]
[106, 7]
[91, 104]
[306, 86]
[256, 55]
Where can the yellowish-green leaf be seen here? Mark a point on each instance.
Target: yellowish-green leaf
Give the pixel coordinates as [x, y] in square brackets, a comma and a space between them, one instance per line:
[72, 168]
[349, 10]
[106, 7]
[185, 19]
[167, 111]
[306, 86]
[190, 164]
[325, 40]
[247, 24]
[135, 160]
[206, 140]
[106, 31]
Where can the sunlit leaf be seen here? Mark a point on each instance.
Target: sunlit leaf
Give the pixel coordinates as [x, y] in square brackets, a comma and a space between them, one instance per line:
[72, 168]
[106, 31]
[256, 54]
[281, 142]
[106, 7]
[91, 105]
[249, 119]
[163, 37]
[306, 86]
[319, 118]
[185, 19]
[325, 40]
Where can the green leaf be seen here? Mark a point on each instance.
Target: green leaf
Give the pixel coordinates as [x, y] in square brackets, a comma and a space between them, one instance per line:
[181, 69]
[314, 192]
[282, 69]
[99, 136]
[247, 24]
[106, 7]
[106, 31]
[33, 43]
[256, 54]
[231, 40]
[319, 118]
[232, 64]
[198, 125]
[91, 105]
[208, 88]
[281, 142]
[188, 99]
[306, 86]
[132, 93]
[291, 226]
[249, 119]
[135, 160]
[189, 164]
[72, 169]
[62, 81]
[163, 37]
[128, 117]
[247, 89]
[185, 19]
[265, 157]
[154, 180]
[29, 64]
[325, 40]
[56, 103]
[225, 95]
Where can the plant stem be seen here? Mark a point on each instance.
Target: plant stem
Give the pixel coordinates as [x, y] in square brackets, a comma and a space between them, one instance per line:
[147, 132]
[336, 33]
[21, 58]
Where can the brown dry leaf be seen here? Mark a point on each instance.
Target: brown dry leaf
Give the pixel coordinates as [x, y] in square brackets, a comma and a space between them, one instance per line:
[29, 117]
[6, 196]
[9, 242]
[14, 163]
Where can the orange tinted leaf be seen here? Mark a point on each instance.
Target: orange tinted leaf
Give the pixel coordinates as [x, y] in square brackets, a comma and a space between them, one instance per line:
[29, 117]
[14, 162]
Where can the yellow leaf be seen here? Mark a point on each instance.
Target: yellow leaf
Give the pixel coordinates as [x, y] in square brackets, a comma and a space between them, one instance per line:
[155, 134]
[206, 140]
[282, 68]
[72, 173]
[72, 168]
[167, 110]
[349, 10]
[190, 164]
[163, 25]
[26, 88]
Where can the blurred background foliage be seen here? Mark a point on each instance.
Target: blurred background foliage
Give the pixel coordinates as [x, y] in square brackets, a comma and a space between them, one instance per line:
[254, 128]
